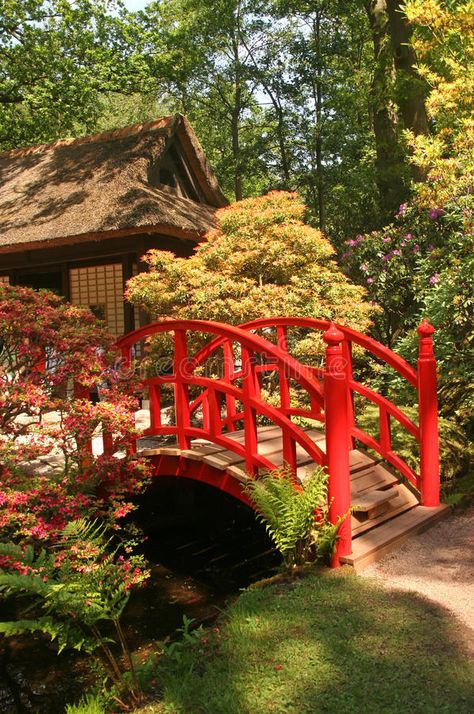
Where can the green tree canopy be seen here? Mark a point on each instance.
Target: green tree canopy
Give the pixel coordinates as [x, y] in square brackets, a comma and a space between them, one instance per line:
[56, 59]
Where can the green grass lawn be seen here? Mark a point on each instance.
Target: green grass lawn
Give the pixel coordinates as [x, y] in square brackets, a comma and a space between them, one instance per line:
[334, 643]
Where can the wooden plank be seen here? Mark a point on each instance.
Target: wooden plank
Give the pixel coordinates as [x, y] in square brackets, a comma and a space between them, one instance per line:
[376, 543]
[264, 433]
[238, 473]
[403, 502]
[162, 451]
[222, 460]
[359, 461]
[373, 478]
[368, 501]
[206, 448]
[193, 454]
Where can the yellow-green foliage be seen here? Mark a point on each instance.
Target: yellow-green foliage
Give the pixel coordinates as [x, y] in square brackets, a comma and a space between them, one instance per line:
[262, 260]
[444, 41]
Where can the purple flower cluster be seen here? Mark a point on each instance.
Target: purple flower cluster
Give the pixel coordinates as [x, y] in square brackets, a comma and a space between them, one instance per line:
[436, 213]
[434, 279]
[355, 241]
[403, 207]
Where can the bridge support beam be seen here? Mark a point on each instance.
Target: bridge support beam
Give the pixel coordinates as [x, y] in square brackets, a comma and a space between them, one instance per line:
[337, 440]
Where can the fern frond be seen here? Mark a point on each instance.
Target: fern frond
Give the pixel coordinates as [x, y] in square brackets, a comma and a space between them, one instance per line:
[44, 624]
[11, 550]
[81, 530]
[19, 584]
[289, 513]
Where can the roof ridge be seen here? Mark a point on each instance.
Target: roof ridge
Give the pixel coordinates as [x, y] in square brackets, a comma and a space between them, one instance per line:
[101, 136]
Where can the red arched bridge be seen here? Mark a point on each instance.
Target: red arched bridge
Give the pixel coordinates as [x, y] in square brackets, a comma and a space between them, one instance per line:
[238, 402]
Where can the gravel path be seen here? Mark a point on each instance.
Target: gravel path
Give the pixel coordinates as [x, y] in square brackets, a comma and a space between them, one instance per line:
[438, 564]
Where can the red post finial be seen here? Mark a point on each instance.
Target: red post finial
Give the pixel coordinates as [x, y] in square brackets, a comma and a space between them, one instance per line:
[333, 336]
[425, 329]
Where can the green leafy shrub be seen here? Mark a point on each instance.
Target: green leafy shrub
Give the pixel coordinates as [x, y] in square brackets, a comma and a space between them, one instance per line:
[296, 519]
[454, 448]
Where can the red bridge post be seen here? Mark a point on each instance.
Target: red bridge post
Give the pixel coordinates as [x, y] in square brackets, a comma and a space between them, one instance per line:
[428, 417]
[337, 439]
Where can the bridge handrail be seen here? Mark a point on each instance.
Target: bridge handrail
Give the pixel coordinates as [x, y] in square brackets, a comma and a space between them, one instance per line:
[339, 387]
[250, 342]
[368, 343]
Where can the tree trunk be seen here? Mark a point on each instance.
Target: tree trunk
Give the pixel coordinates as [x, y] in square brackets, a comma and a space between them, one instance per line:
[235, 120]
[318, 100]
[390, 166]
[411, 88]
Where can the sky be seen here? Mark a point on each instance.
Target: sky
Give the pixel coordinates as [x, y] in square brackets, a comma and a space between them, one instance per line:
[135, 4]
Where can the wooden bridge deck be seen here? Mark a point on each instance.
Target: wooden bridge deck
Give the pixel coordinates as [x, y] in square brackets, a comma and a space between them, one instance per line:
[386, 511]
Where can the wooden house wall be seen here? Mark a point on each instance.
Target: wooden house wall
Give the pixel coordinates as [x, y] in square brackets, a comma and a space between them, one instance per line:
[93, 274]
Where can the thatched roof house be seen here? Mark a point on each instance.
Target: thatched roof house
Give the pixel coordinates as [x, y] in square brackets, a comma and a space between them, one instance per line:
[76, 215]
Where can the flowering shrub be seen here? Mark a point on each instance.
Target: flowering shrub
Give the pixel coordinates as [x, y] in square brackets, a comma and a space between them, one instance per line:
[72, 592]
[52, 357]
[422, 266]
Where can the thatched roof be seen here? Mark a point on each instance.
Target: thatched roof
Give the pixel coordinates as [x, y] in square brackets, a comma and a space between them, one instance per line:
[101, 186]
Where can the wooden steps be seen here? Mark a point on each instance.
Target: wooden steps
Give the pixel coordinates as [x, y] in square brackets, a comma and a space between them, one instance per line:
[379, 541]
[386, 511]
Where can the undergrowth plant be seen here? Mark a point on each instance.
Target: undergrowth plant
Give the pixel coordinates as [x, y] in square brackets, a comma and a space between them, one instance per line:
[89, 704]
[295, 517]
[75, 594]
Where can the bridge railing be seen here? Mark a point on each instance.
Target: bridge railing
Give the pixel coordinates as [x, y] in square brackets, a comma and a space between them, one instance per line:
[223, 402]
[422, 379]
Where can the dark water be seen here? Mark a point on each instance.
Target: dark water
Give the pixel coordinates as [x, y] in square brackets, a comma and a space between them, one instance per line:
[202, 545]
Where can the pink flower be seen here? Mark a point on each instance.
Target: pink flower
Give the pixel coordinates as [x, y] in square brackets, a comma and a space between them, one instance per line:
[434, 279]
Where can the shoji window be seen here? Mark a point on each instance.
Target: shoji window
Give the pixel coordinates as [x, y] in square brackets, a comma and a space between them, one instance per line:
[100, 287]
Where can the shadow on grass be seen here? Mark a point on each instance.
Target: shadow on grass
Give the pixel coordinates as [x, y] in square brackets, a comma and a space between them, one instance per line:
[327, 644]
